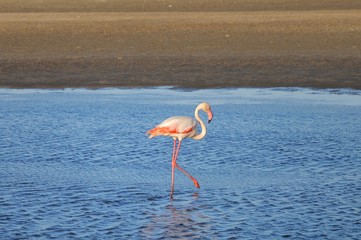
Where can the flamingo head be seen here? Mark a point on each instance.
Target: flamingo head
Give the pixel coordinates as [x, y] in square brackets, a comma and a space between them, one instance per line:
[207, 109]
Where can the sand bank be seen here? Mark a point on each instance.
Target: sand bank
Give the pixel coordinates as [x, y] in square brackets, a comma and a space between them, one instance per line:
[314, 45]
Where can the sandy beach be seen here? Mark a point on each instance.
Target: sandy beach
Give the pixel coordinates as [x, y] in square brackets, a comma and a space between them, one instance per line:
[198, 44]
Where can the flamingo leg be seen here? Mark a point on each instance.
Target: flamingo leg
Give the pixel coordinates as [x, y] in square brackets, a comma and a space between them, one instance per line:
[177, 151]
[188, 175]
[174, 163]
[173, 166]
[175, 156]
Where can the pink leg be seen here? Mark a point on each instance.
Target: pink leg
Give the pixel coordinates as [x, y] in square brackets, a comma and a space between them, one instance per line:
[174, 163]
[173, 166]
[175, 156]
[188, 175]
[176, 153]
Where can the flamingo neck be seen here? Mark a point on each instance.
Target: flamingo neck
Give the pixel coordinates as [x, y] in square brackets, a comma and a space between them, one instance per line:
[203, 133]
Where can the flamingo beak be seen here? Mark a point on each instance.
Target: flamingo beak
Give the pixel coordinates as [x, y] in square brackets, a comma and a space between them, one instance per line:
[210, 116]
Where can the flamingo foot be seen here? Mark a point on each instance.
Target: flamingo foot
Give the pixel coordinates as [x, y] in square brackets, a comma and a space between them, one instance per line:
[195, 183]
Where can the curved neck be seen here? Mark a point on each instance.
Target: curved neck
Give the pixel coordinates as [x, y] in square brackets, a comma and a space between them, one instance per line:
[204, 129]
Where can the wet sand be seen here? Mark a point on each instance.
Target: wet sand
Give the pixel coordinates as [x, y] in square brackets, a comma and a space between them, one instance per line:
[201, 44]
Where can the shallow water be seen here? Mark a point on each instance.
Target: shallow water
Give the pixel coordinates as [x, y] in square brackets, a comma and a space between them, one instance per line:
[276, 163]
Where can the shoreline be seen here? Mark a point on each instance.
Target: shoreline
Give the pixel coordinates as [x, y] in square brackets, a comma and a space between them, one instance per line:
[315, 72]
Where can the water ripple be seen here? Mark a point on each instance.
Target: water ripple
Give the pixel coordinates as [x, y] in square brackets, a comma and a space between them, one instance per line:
[275, 164]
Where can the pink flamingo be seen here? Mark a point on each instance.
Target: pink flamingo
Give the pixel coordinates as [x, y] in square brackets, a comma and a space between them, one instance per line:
[180, 128]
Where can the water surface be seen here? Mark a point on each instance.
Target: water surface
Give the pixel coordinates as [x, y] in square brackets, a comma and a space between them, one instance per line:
[276, 163]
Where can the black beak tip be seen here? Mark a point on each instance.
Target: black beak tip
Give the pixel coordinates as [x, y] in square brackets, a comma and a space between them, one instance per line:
[209, 120]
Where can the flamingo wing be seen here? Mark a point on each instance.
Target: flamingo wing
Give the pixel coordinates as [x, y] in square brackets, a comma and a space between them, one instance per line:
[174, 126]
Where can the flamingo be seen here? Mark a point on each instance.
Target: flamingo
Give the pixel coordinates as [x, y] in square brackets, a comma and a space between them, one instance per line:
[181, 127]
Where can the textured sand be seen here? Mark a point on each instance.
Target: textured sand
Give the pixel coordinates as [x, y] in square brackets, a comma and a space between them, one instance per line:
[180, 43]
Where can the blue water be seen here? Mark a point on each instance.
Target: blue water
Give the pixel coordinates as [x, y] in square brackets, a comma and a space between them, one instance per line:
[276, 163]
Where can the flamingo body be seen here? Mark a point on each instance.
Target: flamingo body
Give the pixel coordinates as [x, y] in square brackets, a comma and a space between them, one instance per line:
[181, 127]
[177, 127]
